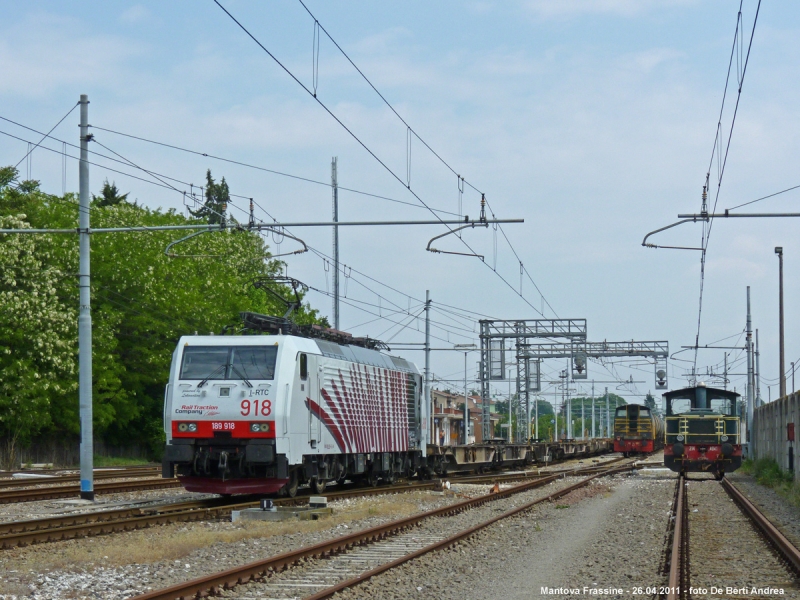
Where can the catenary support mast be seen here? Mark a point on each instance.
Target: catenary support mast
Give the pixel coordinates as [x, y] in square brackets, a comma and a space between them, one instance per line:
[85, 315]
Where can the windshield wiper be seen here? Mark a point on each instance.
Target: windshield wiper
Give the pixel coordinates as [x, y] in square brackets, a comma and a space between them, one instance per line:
[239, 373]
[212, 374]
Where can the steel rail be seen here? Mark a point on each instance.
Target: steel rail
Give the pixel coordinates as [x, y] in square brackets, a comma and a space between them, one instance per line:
[786, 548]
[67, 491]
[54, 479]
[261, 569]
[53, 529]
[22, 533]
[52, 470]
[676, 558]
[458, 537]
[245, 573]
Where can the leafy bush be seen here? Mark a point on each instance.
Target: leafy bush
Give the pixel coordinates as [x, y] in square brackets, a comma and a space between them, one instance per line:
[142, 302]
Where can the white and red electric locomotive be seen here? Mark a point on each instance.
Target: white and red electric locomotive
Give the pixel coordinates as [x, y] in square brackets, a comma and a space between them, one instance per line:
[266, 413]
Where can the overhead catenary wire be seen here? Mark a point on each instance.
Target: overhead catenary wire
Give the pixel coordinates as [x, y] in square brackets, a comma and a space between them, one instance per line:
[794, 187]
[46, 135]
[360, 142]
[706, 233]
[410, 130]
[165, 184]
[266, 170]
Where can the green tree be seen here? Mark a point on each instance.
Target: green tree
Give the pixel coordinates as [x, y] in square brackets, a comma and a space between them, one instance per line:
[142, 302]
[650, 402]
[217, 197]
[37, 358]
[109, 195]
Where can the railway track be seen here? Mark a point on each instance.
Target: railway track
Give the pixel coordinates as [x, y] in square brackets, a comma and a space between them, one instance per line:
[71, 491]
[723, 545]
[10, 483]
[59, 472]
[356, 557]
[103, 522]
[23, 533]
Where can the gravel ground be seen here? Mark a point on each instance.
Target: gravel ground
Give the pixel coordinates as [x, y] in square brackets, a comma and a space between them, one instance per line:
[19, 511]
[102, 567]
[726, 550]
[431, 530]
[570, 544]
[783, 514]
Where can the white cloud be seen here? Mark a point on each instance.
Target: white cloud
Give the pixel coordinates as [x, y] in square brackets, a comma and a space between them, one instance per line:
[565, 9]
[45, 52]
[135, 14]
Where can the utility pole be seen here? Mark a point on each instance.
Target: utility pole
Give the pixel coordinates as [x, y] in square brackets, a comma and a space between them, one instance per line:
[583, 419]
[593, 431]
[570, 433]
[85, 315]
[757, 375]
[466, 403]
[510, 424]
[335, 190]
[779, 252]
[608, 417]
[725, 373]
[749, 345]
[426, 388]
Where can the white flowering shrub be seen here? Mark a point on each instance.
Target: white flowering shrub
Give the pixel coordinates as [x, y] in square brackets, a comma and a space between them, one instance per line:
[142, 302]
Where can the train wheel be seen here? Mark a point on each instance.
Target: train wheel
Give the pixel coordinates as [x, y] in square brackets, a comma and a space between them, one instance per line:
[318, 486]
[290, 489]
[391, 478]
[719, 475]
[372, 479]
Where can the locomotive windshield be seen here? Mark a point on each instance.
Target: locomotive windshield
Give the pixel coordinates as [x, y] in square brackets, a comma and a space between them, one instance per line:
[229, 362]
[721, 402]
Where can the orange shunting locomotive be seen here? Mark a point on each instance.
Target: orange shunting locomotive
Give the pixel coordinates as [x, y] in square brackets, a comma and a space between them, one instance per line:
[637, 430]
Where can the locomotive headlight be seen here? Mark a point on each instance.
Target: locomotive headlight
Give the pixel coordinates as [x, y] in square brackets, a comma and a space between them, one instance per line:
[255, 427]
[183, 427]
[192, 426]
[679, 438]
[264, 427]
[724, 438]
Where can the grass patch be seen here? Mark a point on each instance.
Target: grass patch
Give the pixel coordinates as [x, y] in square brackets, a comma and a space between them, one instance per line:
[179, 540]
[767, 473]
[562, 505]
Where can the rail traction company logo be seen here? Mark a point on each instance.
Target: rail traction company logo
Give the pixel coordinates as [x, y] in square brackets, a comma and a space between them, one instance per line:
[194, 409]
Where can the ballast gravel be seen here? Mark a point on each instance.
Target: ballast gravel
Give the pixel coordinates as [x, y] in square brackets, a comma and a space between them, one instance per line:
[607, 541]
[20, 577]
[782, 513]
[437, 528]
[728, 551]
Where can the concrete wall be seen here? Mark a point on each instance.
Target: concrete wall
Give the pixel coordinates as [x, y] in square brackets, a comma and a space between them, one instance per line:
[770, 439]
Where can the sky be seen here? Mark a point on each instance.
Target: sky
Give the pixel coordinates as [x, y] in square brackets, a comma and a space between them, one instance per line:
[592, 120]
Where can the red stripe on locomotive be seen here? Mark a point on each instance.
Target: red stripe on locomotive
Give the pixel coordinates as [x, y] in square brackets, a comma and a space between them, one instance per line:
[237, 429]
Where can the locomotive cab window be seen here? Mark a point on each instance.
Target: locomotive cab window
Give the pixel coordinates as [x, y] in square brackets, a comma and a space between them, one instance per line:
[229, 362]
[303, 366]
[702, 400]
